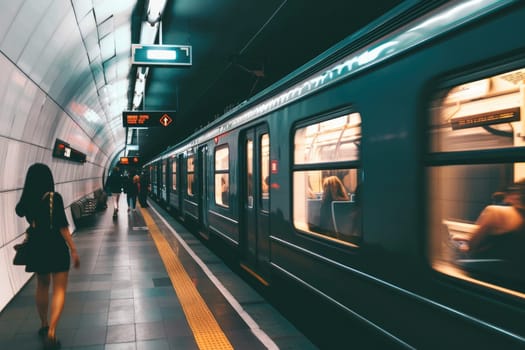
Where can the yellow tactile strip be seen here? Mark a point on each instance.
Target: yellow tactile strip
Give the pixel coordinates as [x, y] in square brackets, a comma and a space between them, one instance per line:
[207, 332]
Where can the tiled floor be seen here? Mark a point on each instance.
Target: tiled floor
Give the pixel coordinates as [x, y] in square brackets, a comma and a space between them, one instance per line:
[121, 297]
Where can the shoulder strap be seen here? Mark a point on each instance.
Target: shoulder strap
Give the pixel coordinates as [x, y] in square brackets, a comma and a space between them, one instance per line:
[50, 207]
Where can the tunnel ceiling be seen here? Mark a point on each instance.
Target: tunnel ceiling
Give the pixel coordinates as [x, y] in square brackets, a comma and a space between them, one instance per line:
[78, 52]
[239, 48]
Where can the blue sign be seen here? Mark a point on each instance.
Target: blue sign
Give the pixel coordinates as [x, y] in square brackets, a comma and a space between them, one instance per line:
[161, 55]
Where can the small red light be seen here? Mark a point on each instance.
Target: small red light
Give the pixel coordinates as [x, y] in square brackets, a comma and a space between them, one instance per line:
[275, 166]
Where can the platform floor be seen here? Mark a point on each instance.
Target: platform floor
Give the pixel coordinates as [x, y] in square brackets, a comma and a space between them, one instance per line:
[145, 282]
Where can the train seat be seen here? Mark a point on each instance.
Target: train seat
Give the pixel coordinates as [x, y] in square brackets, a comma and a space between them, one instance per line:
[313, 206]
[489, 266]
[342, 216]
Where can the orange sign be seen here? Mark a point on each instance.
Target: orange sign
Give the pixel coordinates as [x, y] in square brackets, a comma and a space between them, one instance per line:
[146, 119]
[165, 120]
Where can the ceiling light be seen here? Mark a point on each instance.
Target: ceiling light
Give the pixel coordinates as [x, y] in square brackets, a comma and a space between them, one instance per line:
[155, 9]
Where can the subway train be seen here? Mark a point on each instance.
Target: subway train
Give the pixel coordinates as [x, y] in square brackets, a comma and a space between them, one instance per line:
[361, 175]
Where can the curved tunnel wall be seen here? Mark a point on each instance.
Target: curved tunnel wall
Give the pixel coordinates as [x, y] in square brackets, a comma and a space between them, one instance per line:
[47, 91]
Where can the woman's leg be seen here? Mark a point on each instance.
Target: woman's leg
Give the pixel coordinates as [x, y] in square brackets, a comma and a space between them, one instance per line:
[42, 297]
[116, 198]
[57, 301]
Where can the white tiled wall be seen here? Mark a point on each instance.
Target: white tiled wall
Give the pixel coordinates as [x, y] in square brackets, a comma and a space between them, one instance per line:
[45, 84]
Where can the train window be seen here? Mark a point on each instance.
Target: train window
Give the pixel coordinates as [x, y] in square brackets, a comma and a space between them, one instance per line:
[326, 178]
[163, 174]
[249, 173]
[476, 182]
[222, 176]
[336, 139]
[153, 178]
[265, 172]
[174, 174]
[191, 176]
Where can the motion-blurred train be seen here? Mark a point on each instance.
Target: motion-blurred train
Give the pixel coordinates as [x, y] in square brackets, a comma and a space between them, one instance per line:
[418, 118]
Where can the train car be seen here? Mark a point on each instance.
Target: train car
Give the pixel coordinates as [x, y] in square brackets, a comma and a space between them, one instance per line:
[362, 175]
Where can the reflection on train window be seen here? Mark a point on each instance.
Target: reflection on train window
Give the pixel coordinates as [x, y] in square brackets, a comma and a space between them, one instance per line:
[249, 173]
[174, 174]
[326, 179]
[335, 139]
[222, 176]
[477, 202]
[191, 176]
[265, 172]
[153, 177]
[163, 174]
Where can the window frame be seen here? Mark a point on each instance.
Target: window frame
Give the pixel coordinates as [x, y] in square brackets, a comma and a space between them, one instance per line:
[224, 146]
[174, 166]
[464, 158]
[323, 166]
[189, 173]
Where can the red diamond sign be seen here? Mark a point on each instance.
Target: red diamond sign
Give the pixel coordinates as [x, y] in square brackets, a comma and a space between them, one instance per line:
[165, 120]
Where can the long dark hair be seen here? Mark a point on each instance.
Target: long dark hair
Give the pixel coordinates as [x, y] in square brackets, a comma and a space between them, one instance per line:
[39, 180]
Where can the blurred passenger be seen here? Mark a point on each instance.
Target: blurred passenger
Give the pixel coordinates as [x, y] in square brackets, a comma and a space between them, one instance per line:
[501, 229]
[132, 191]
[50, 246]
[357, 214]
[114, 186]
[225, 192]
[143, 190]
[498, 198]
[266, 185]
[333, 190]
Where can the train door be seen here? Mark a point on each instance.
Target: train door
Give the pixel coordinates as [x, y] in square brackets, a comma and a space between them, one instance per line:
[165, 181]
[202, 185]
[181, 184]
[255, 202]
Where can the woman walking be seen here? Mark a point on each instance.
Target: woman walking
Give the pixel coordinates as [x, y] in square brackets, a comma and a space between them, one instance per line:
[50, 246]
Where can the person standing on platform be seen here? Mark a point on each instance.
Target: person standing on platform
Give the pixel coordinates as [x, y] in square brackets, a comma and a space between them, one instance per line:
[114, 186]
[50, 247]
[132, 191]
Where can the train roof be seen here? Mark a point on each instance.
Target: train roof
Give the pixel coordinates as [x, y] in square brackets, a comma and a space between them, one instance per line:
[403, 28]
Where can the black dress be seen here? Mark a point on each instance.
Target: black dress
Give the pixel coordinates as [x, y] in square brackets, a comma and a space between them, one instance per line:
[48, 249]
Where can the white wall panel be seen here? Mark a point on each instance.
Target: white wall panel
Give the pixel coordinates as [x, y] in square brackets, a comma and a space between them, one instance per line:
[6, 287]
[37, 105]
[16, 83]
[46, 86]
[6, 68]
[30, 57]
[22, 110]
[22, 29]
[7, 16]
[11, 224]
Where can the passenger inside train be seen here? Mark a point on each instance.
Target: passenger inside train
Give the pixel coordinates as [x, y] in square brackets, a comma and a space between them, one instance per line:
[333, 190]
[500, 231]
[485, 230]
[324, 190]
[225, 193]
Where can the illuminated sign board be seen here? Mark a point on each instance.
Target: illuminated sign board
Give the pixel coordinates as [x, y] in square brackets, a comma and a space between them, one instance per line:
[63, 150]
[129, 160]
[161, 55]
[146, 119]
[496, 117]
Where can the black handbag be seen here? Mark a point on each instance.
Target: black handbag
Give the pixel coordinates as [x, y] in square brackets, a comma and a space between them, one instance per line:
[22, 253]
